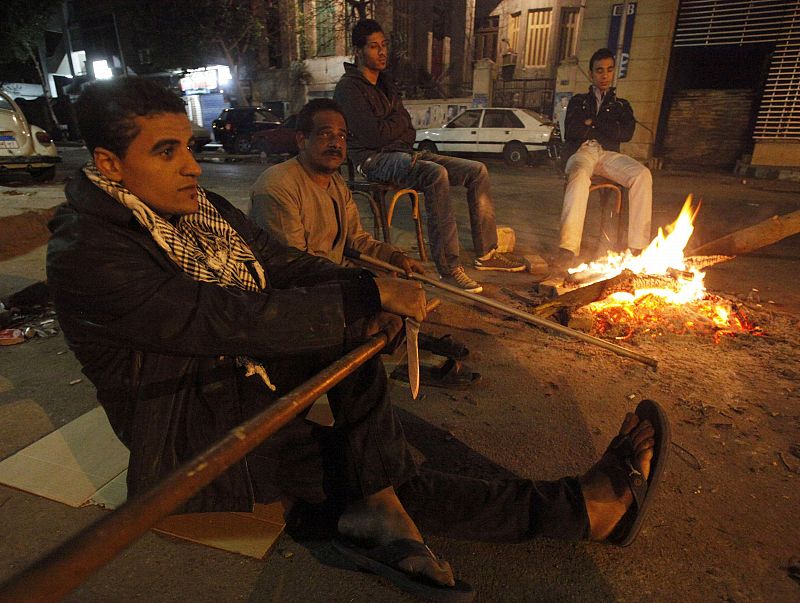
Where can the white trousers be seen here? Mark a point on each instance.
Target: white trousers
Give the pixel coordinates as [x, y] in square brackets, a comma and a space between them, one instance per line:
[590, 159]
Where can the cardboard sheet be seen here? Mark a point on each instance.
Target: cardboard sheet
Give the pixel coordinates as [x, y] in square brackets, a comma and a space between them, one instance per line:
[84, 463]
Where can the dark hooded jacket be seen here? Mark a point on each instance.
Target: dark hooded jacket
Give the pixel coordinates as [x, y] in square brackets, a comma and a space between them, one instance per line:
[376, 118]
[160, 347]
[613, 124]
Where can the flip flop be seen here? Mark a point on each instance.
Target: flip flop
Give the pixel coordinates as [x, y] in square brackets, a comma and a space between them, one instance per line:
[452, 375]
[621, 467]
[443, 346]
[383, 561]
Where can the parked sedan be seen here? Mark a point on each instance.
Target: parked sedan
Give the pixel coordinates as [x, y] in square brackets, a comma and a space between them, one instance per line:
[278, 141]
[235, 127]
[201, 137]
[23, 147]
[514, 133]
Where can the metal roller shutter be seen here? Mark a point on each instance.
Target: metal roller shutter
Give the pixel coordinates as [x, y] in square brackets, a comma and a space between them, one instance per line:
[740, 22]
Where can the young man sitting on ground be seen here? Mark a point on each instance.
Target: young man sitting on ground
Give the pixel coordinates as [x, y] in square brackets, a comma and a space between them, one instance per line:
[188, 319]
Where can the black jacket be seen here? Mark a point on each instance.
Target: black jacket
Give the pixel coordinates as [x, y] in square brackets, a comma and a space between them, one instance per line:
[376, 118]
[160, 347]
[612, 125]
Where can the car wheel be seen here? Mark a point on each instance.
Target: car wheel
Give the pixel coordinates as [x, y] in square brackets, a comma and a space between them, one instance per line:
[241, 144]
[427, 145]
[515, 153]
[43, 174]
[262, 146]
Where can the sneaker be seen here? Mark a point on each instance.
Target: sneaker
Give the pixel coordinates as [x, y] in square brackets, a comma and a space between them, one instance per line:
[494, 260]
[459, 278]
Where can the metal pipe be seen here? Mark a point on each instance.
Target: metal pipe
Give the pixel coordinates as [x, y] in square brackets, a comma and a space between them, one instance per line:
[620, 41]
[486, 301]
[63, 570]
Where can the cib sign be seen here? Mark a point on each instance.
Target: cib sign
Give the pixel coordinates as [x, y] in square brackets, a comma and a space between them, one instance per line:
[614, 34]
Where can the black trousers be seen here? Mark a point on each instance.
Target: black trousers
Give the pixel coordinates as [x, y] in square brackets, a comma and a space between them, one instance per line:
[366, 451]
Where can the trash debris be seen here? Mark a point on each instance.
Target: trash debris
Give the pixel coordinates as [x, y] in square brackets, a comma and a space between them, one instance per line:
[787, 465]
[11, 336]
[75, 381]
[794, 568]
[687, 457]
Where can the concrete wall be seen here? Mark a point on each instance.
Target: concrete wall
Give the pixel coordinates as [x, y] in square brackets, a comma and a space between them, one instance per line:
[647, 71]
[434, 114]
[325, 72]
[775, 153]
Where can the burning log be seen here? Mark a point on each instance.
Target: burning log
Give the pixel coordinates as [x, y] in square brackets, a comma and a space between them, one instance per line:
[754, 237]
[625, 282]
[588, 294]
[660, 290]
[701, 262]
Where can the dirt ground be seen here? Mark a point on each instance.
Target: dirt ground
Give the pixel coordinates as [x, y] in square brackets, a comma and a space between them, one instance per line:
[724, 526]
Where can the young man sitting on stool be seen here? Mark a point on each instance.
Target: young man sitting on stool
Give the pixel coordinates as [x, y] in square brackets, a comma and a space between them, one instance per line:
[596, 124]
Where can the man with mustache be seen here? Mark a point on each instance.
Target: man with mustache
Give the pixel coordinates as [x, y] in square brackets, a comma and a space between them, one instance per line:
[305, 203]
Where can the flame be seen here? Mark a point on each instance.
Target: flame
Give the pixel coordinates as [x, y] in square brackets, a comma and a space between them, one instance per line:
[664, 254]
[642, 310]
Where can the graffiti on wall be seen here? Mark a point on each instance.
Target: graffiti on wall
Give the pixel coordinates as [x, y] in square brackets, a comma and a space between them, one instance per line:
[433, 115]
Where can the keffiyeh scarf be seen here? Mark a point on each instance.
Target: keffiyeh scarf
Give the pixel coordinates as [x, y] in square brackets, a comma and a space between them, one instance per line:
[201, 244]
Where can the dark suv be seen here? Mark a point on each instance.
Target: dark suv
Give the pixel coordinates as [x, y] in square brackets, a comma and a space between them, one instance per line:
[234, 127]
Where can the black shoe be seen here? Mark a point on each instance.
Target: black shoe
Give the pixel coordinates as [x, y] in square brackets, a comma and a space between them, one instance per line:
[443, 346]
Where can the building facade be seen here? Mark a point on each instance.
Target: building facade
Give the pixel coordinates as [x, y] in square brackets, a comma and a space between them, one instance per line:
[714, 83]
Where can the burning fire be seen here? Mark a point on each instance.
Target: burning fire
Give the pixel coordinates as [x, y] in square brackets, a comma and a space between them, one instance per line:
[665, 287]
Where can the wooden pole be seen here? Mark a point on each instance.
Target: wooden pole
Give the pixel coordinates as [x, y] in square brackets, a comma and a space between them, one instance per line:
[753, 237]
[486, 301]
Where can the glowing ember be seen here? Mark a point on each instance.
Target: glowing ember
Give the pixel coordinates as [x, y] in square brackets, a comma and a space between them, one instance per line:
[668, 296]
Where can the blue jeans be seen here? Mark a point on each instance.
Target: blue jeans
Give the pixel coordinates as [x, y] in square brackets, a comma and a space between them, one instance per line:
[432, 175]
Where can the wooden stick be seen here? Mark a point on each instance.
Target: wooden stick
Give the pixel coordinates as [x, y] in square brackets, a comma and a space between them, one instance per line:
[486, 301]
[753, 237]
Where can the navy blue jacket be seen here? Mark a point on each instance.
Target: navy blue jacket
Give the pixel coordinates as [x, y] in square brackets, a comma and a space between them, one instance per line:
[612, 125]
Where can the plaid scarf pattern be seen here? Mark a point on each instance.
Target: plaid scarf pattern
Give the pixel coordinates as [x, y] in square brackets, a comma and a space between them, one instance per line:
[202, 244]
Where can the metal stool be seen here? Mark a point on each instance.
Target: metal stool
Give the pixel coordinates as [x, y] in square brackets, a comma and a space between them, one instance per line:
[611, 228]
[377, 193]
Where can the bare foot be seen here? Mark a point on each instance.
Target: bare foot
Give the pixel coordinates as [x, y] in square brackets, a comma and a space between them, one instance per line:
[606, 505]
[381, 519]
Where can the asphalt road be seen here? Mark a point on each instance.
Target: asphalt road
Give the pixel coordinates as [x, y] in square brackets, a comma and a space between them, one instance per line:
[545, 408]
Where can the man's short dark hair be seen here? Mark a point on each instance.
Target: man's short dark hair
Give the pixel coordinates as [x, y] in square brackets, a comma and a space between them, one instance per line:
[364, 29]
[106, 110]
[305, 118]
[603, 53]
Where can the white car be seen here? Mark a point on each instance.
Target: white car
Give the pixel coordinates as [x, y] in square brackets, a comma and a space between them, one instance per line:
[512, 132]
[24, 147]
